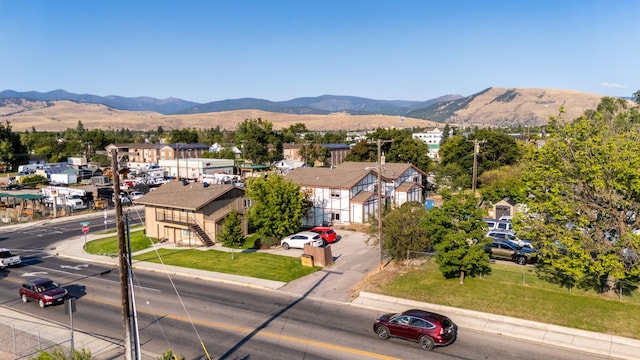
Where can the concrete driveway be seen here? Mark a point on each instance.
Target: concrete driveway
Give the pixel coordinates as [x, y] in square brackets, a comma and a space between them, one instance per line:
[353, 259]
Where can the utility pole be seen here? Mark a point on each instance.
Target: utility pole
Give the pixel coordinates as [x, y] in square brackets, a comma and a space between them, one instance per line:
[122, 257]
[476, 148]
[380, 200]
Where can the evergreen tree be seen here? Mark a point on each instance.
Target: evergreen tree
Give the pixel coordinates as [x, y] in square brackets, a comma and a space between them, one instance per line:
[458, 232]
[232, 235]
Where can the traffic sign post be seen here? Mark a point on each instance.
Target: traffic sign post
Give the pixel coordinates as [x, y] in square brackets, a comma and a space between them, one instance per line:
[85, 230]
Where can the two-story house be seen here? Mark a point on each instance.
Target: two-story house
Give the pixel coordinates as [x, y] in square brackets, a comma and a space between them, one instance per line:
[153, 153]
[348, 193]
[337, 153]
[191, 213]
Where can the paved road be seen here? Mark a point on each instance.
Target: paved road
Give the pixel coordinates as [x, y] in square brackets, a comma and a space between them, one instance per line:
[355, 259]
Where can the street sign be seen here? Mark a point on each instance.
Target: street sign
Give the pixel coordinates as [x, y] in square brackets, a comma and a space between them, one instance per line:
[85, 223]
[85, 229]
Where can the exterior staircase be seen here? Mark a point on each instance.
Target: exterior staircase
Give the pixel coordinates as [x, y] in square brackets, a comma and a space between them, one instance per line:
[203, 236]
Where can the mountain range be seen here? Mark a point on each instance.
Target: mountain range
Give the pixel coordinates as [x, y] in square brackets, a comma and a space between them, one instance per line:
[496, 107]
[321, 105]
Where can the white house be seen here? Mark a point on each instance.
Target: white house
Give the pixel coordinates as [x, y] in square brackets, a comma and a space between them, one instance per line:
[284, 166]
[348, 193]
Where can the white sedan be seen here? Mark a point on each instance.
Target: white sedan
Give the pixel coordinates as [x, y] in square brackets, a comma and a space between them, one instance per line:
[300, 239]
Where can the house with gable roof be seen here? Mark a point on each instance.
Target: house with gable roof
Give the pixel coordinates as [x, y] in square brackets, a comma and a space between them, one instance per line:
[348, 193]
[192, 213]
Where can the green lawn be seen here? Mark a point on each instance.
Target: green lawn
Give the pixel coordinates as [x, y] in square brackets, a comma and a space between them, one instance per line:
[508, 292]
[253, 264]
[109, 246]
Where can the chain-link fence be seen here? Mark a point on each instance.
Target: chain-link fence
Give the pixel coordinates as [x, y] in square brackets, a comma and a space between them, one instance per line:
[16, 343]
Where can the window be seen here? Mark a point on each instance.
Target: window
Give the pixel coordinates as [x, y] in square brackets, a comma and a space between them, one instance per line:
[402, 320]
[335, 193]
[246, 203]
[335, 217]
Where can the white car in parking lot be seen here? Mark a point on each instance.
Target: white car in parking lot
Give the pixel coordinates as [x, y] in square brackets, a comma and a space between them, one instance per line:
[300, 239]
[135, 195]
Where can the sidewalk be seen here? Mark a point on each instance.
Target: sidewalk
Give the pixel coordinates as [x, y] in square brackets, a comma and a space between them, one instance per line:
[354, 260]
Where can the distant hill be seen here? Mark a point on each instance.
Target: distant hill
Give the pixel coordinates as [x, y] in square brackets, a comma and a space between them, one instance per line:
[321, 105]
[23, 115]
[165, 106]
[499, 107]
[492, 107]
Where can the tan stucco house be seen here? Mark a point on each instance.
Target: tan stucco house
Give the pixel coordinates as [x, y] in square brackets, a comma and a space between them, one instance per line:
[191, 214]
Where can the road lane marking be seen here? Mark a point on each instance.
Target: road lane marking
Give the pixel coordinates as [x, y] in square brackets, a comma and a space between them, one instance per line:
[246, 330]
[74, 267]
[35, 273]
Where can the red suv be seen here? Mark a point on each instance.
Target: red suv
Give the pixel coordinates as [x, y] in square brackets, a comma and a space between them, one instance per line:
[44, 291]
[426, 328]
[326, 233]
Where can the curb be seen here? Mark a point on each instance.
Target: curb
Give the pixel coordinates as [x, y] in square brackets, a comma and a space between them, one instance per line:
[616, 347]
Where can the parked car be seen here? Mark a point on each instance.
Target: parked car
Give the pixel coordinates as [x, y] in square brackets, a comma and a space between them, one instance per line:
[300, 239]
[12, 186]
[507, 250]
[124, 199]
[426, 328]
[504, 225]
[501, 234]
[491, 223]
[509, 235]
[135, 195]
[44, 291]
[326, 233]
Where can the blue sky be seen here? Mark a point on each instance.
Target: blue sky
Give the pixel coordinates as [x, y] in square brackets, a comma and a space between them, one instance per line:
[277, 50]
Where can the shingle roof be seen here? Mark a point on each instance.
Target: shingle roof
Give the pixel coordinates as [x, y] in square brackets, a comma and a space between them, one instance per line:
[362, 196]
[327, 177]
[406, 186]
[191, 196]
[389, 170]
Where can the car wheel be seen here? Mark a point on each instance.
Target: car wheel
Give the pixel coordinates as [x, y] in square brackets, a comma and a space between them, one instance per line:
[383, 332]
[24, 298]
[324, 243]
[427, 343]
[521, 260]
[41, 303]
[285, 246]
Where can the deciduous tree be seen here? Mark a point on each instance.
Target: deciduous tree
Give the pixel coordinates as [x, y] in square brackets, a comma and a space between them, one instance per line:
[402, 230]
[257, 140]
[402, 148]
[585, 203]
[12, 152]
[278, 205]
